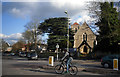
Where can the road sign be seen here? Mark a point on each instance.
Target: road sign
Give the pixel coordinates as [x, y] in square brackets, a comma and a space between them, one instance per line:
[51, 60]
[115, 64]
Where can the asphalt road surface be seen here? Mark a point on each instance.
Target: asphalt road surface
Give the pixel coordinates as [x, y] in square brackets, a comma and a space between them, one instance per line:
[14, 65]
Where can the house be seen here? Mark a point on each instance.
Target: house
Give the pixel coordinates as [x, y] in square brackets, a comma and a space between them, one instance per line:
[43, 47]
[9, 49]
[84, 38]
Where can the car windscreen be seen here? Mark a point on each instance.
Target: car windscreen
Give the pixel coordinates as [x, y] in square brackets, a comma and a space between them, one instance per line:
[113, 56]
[33, 54]
[22, 53]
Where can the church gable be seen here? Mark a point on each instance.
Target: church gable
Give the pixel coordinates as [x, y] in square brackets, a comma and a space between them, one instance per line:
[84, 29]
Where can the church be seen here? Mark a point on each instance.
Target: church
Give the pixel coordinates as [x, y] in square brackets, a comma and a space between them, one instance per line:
[84, 38]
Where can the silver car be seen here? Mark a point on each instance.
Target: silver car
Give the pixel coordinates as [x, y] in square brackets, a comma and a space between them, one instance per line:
[33, 56]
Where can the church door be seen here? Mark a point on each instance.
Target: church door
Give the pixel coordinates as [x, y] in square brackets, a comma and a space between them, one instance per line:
[85, 49]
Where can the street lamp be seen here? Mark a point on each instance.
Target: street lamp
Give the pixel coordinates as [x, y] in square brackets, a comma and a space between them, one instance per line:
[68, 32]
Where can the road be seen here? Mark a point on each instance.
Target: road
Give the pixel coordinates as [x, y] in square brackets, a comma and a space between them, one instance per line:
[13, 65]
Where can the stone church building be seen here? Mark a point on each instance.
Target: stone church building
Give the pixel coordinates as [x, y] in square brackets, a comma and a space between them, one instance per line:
[84, 38]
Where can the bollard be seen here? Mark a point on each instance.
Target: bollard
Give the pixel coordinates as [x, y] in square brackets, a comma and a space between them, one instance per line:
[51, 61]
[115, 64]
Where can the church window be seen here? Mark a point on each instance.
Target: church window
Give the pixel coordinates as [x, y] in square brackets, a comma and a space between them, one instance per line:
[78, 27]
[75, 30]
[84, 36]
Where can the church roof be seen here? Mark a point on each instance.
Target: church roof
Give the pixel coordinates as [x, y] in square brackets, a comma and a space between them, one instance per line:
[86, 26]
[75, 23]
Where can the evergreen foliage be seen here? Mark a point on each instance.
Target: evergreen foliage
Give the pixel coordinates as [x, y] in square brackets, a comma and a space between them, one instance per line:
[57, 32]
[109, 28]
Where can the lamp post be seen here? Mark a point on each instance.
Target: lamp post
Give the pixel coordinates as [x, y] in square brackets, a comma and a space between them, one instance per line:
[68, 32]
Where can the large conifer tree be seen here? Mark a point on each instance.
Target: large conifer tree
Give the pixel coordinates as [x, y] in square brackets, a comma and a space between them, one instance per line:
[109, 27]
[57, 32]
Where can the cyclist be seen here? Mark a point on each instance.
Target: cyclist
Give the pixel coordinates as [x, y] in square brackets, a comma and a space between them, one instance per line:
[67, 58]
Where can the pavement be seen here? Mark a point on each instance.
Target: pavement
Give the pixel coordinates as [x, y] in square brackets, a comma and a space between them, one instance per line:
[102, 71]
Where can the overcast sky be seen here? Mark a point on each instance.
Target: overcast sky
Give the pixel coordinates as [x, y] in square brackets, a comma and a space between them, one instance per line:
[17, 13]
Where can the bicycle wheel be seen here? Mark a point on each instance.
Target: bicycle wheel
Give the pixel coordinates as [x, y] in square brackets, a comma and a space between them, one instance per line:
[59, 69]
[73, 70]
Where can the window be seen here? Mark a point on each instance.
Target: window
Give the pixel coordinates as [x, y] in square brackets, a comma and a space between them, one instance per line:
[112, 57]
[119, 58]
[75, 30]
[84, 36]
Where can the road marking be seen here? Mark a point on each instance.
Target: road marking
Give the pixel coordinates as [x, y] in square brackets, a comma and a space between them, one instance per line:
[31, 61]
[20, 58]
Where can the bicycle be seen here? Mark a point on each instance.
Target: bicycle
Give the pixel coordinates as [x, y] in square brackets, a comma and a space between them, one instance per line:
[59, 69]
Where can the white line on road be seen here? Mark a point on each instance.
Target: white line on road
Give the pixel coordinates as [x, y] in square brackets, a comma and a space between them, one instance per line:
[31, 61]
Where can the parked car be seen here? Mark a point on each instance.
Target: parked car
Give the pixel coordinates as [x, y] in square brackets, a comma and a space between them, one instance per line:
[107, 61]
[32, 56]
[6, 53]
[22, 54]
[12, 54]
[28, 55]
[19, 53]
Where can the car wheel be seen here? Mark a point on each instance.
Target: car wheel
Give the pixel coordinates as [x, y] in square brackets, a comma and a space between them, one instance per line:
[106, 65]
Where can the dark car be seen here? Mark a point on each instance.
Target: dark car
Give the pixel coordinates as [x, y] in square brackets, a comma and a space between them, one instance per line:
[22, 54]
[28, 55]
[12, 54]
[6, 53]
[107, 61]
[32, 56]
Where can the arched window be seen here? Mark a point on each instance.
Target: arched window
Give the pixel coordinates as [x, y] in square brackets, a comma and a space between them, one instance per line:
[84, 36]
[75, 30]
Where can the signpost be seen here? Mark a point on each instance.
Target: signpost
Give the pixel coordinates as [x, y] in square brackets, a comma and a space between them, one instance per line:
[115, 64]
[57, 46]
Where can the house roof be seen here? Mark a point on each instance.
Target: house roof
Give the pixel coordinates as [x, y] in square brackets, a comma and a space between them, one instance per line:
[75, 23]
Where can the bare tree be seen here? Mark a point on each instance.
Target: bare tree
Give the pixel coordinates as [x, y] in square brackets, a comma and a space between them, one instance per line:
[94, 13]
[4, 45]
[31, 31]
